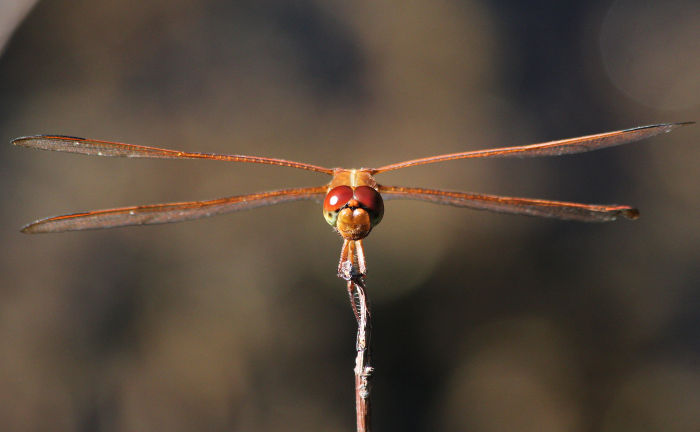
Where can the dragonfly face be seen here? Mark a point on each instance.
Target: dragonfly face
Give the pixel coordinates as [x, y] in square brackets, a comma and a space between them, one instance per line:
[352, 205]
[353, 211]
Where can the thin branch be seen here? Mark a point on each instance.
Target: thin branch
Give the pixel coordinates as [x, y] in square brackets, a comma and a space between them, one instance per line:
[352, 268]
[363, 370]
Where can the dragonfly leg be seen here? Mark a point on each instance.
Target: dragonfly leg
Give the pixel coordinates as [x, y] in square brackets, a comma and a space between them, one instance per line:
[352, 265]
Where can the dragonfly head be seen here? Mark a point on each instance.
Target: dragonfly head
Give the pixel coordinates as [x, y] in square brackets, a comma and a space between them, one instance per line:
[353, 212]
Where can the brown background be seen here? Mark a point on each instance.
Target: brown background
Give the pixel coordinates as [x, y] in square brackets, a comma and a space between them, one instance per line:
[483, 322]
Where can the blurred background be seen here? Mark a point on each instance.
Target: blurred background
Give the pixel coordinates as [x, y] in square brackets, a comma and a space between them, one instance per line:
[482, 322]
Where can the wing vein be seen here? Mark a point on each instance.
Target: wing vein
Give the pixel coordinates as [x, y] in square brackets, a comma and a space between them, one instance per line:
[551, 148]
[169, 212]
[115, 149]
[521, 206]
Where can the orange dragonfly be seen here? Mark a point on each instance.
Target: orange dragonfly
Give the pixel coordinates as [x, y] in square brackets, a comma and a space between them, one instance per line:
[352, 201]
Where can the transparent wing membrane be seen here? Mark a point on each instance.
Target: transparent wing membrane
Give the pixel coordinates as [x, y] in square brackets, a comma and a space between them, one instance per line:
[521, 206]
[181, 211]
[551, 148]
[109, 148]
[171, 212]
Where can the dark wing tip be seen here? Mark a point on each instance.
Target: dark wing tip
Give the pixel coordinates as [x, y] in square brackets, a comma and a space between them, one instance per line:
[35, 227]
[28, 229]
[671, 126]
[630, 213]
[20, 140]
[666, 127]
[24, 140]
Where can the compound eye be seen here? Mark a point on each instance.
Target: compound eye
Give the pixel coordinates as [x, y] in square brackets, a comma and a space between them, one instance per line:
[337, 198]
[372, 201]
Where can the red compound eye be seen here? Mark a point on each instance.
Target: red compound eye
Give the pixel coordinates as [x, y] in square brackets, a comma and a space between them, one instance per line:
[372, 201]
[369, 198]
[337, 198]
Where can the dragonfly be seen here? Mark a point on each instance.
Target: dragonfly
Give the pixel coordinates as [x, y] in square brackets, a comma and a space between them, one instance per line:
[353, 201]
[353, 204]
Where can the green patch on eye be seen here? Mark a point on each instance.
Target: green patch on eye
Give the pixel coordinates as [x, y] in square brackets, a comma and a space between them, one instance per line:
[331, 217]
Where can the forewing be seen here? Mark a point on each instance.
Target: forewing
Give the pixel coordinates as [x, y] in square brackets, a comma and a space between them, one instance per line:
[109, 148]
[551, 148]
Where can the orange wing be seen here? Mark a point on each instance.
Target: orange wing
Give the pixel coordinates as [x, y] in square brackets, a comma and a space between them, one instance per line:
[552, 148]
[109, 148]
[522, 206]
[171, 212]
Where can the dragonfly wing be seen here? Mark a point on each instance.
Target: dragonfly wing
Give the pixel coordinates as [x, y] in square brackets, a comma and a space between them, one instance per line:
[171, 212]
[109, 148]
[522, 206]
[551, 148]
